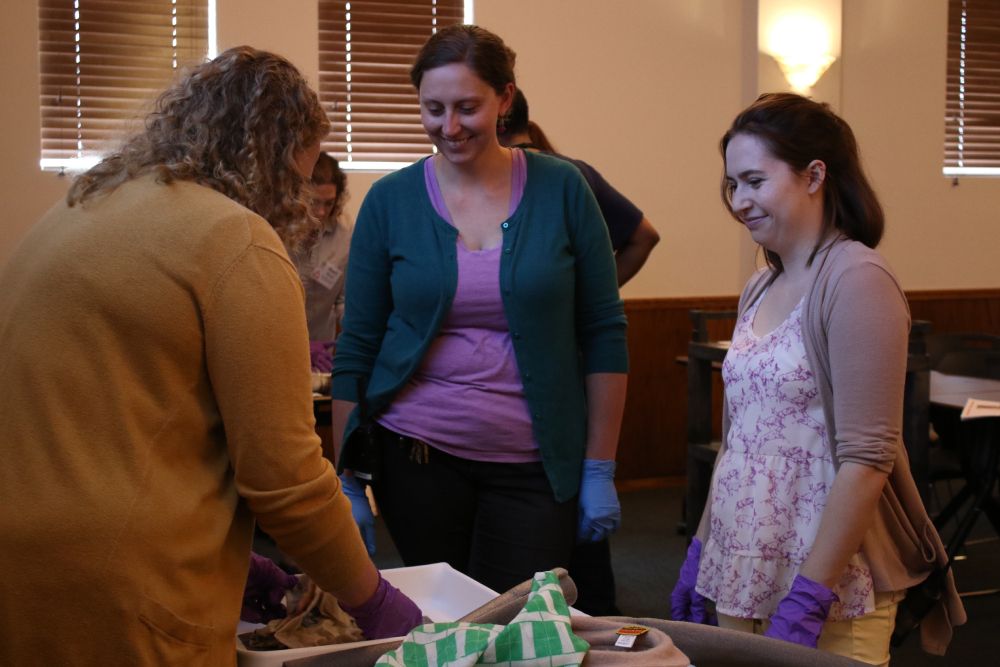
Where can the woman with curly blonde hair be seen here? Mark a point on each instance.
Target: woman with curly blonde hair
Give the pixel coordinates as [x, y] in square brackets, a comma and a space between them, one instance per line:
[155, 365]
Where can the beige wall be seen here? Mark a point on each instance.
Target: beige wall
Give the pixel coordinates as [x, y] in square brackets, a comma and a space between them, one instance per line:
[643, 90]
[938, 235]
[25, 192]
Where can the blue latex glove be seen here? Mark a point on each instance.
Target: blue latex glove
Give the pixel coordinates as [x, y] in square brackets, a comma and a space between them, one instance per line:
[800, 615]
[600, 513]
[387, 613]
[686, 604]
[361, 509]
[321, 355]
[266, 586]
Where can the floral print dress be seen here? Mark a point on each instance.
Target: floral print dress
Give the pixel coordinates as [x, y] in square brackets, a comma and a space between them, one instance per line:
[771, 483]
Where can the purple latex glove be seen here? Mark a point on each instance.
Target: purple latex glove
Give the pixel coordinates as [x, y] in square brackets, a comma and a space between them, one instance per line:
[686, 604]
[800, 615]
[320, 355]
[387, 613]
[266, 586]
[600, 513]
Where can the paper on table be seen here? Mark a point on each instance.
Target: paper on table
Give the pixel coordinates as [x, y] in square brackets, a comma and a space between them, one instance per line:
[975, 408]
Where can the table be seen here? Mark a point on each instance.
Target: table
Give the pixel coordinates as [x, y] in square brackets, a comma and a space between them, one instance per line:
[955, 390]
[979, 453]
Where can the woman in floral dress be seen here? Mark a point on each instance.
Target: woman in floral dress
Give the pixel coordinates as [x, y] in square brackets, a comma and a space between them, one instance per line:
[814, 528]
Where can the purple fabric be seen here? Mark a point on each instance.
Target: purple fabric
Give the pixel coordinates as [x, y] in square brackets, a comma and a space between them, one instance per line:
[387, 613]
[467, 398]
[518, 179]
[321, 356]
[265, 588]
[686, 604]
[801, 614]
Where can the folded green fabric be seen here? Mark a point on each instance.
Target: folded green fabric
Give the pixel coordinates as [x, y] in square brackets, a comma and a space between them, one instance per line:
[539, 636]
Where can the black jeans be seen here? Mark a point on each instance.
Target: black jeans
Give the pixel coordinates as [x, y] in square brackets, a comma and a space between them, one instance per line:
[590, 568]
[497, 522]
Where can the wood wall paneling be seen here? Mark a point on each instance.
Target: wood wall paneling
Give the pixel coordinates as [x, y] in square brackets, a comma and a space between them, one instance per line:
[653, 439]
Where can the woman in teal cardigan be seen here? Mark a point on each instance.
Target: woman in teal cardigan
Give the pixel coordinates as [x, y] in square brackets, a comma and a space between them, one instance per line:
[483, 323]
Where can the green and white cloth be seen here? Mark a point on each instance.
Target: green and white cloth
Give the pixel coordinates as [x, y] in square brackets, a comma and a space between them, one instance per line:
[539, 636]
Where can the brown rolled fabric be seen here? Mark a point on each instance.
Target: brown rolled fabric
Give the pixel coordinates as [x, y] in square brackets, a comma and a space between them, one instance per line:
[502, 609]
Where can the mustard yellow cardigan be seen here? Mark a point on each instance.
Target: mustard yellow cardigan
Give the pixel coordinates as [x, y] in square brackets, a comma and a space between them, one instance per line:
[154, 398]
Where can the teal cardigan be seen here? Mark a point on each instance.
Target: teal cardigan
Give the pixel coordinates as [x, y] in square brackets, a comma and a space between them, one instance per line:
[559, 291]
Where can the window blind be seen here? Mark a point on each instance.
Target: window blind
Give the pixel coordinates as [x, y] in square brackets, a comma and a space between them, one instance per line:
[366, 49]
[972, 113]
[102, 62]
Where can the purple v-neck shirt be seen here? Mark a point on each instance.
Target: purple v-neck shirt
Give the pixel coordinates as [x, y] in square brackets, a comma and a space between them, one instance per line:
[467, 398]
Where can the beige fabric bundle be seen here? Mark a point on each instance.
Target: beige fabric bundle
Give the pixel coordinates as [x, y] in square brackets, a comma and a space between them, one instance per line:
[314, 619]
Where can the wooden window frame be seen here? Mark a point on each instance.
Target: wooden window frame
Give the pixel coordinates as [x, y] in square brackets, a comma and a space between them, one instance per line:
[972, 100]
[102, 62]
[366, 48]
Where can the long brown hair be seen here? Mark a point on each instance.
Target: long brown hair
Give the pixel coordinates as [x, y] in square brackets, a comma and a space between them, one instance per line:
[518, 122]
[328, 172]
[797, 130]
[234, 124]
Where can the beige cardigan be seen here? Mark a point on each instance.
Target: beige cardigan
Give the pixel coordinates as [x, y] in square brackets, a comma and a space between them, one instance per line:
[155, 398]
[856, 323]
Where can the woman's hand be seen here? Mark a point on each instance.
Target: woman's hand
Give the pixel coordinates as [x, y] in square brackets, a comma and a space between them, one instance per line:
[361, 509]
[321, 355]
[801, 614]
[600, 512]
[686, 604]
[265, 588]
[387, 613]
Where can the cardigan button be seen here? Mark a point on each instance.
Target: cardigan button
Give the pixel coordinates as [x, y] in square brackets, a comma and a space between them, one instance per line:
[505, 225]
[506, 251]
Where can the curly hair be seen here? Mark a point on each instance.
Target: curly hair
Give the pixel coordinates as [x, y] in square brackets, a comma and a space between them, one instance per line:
[234, 124]
[328, 172]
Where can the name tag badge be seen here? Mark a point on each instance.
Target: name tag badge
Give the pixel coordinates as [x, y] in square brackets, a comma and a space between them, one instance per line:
[327, 275]
[628, 634]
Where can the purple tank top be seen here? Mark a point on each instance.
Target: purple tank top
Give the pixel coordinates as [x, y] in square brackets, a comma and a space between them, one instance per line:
[466, 398]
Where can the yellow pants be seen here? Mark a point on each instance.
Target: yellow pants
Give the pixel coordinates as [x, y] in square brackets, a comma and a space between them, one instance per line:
[865, 638]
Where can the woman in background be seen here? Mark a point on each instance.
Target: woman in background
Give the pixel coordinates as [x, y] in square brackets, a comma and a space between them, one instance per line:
[156, 390]
[322, 260]
[485, 336]
[805, 537]
[633, 236]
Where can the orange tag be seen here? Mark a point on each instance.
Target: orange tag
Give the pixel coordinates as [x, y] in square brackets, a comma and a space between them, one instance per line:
[628, 634]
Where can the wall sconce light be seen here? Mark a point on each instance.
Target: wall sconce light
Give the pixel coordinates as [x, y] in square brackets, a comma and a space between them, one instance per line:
[802, 35]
